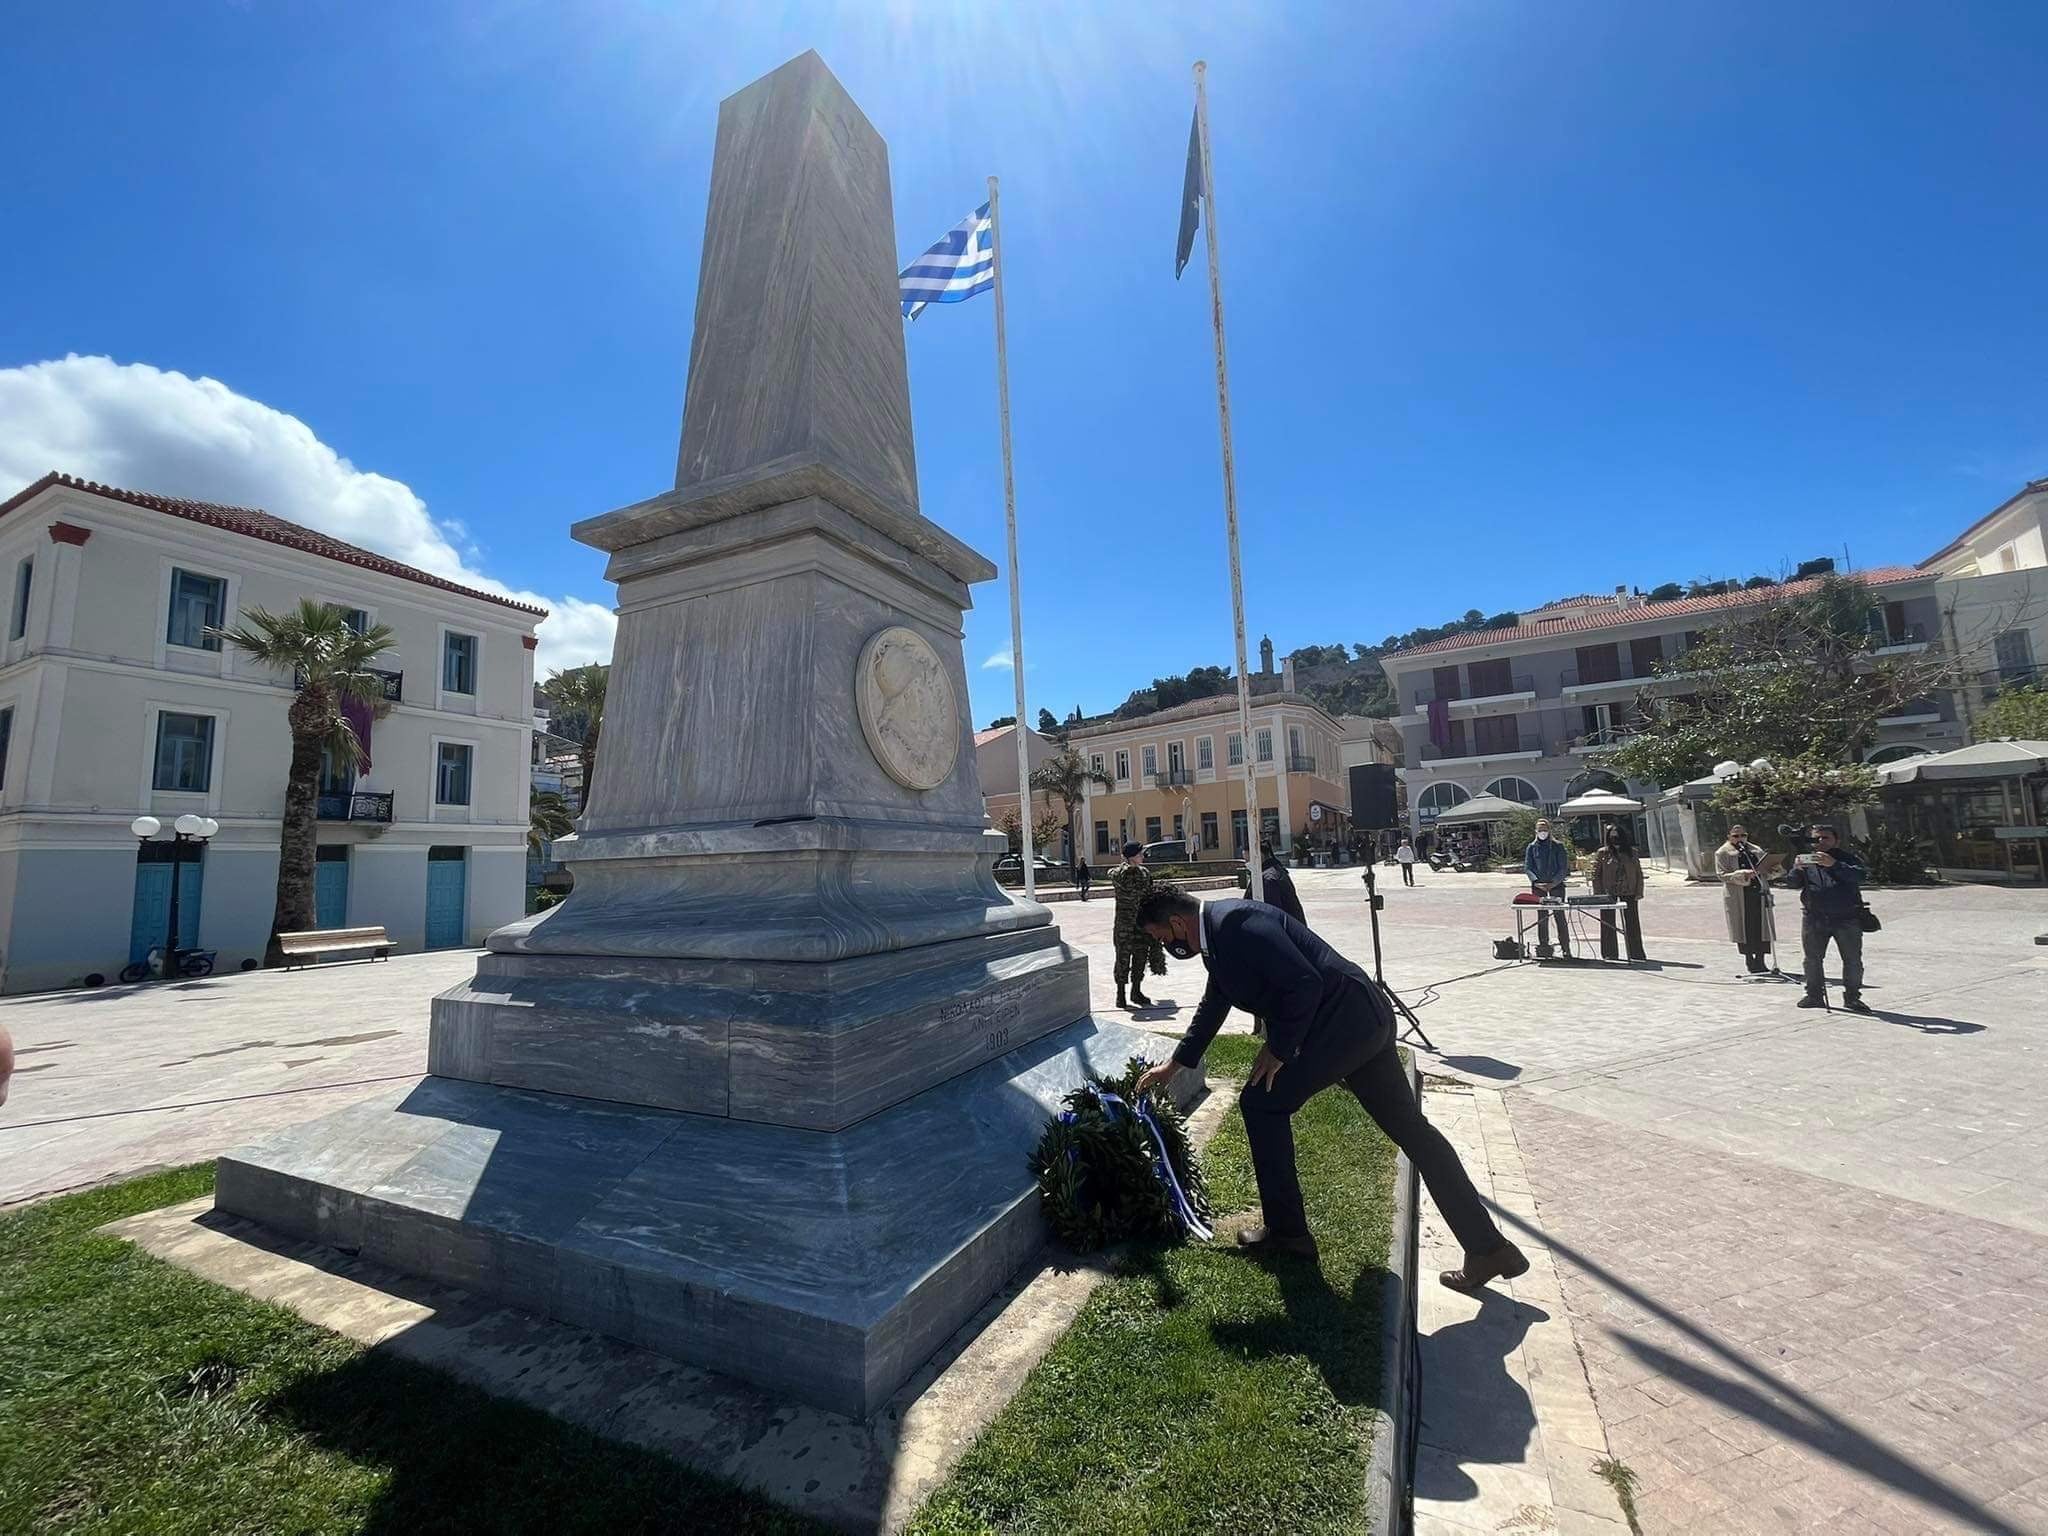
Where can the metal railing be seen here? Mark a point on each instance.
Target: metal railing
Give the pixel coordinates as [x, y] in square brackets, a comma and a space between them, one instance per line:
[1518, 683]
[1627, 674]
[361, 805]
[1527, 741]
[1300, 762]
[1604, 736]
[1173, 777]
[1904, 634]
[2017, 675]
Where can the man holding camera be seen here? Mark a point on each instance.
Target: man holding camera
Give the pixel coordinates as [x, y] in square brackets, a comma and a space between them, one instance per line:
[1830, 884]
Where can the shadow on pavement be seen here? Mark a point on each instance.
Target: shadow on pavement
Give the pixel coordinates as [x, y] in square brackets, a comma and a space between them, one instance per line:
[1807, 1422]
[1481, 1066]
[1929, 1024]
[1473, 1409]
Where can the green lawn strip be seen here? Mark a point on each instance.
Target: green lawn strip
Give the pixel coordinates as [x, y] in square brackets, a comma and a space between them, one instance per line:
[1200, 1391]
[136, 1397]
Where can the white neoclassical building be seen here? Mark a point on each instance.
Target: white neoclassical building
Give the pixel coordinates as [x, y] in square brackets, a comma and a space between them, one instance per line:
[116, 702]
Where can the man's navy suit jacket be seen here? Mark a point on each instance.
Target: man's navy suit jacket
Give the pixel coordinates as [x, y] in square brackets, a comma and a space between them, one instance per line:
[1263, 961]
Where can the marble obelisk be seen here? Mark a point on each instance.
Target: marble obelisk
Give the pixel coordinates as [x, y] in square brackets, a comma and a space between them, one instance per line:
[760, 1093]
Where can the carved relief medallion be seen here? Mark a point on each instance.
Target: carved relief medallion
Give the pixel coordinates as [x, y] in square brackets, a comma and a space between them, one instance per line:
[907, 707]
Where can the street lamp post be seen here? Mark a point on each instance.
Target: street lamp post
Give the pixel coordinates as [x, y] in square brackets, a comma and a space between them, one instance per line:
[186, 829]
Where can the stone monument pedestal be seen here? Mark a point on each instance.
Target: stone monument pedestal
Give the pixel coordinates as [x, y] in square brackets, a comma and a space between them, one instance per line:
[761, 1093]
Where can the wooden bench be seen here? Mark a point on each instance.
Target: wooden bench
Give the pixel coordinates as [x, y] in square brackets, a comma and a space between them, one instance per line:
[354, 943]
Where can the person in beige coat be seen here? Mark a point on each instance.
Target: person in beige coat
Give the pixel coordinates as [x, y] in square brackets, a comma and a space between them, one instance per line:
[1744, 902]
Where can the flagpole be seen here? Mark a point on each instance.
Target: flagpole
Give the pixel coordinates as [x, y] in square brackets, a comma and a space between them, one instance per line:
[1255, 886]
[995, 233]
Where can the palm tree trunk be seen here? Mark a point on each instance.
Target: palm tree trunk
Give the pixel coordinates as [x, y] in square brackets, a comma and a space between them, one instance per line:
[297, 847]
[587, 752]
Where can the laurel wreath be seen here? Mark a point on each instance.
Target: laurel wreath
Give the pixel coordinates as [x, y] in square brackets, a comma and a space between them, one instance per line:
[1097, 1167]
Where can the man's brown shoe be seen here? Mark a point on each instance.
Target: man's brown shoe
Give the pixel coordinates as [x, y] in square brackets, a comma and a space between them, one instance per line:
[1260, 1243]
[1503, 1263]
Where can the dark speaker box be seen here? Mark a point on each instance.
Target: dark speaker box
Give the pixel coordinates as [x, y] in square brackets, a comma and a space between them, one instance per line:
[1372, 797]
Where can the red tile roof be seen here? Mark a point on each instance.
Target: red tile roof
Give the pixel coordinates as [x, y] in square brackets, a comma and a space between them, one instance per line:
[257, 524]
[1678, 608]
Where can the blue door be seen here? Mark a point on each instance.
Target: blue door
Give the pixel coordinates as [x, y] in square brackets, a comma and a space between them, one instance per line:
[153, 906]
[447, 898]
[330, 889]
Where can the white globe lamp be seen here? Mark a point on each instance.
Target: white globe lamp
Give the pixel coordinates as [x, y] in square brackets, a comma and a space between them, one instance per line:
[1727, 768]
[208, 826]
[189, 824]
[145, 826]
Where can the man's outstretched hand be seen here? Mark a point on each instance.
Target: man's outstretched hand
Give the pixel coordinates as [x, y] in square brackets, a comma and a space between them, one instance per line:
[1157, 1077]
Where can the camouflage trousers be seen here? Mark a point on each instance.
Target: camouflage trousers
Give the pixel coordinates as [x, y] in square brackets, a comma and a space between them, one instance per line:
[1136, 953]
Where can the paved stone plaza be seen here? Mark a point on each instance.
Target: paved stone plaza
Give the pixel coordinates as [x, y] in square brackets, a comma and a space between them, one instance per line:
[1804, 1256]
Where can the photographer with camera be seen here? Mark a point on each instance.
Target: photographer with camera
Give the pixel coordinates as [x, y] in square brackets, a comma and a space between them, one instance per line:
[1829, 880]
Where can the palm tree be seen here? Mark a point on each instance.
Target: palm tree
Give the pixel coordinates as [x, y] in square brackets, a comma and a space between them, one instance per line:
[1066, 777]
[577, 693]
[330, 662]
[549, 818]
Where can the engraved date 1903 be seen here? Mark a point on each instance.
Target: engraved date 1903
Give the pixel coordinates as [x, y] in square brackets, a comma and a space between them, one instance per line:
[998, 1039]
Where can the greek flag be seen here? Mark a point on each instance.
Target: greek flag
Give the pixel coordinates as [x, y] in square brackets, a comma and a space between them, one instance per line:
[958, 267]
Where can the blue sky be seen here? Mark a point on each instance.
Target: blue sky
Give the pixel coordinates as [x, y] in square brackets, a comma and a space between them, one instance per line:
[1523, 299]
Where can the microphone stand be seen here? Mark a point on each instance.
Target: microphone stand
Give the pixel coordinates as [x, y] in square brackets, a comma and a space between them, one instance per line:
[1413, 1026]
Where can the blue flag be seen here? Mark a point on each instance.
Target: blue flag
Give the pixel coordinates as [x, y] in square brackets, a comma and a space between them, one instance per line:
[958, 267]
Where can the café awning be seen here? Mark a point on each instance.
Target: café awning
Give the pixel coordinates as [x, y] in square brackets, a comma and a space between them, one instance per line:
[1600, 802]
[1985, 760]
[1481, 808]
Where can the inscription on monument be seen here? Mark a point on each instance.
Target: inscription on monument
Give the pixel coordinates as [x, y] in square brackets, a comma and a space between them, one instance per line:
[907, 709]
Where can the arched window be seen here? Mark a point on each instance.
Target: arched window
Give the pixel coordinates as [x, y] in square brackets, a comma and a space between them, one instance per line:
[1438, 798]
[1894, 752]
[1593, 778]
[1521, 791]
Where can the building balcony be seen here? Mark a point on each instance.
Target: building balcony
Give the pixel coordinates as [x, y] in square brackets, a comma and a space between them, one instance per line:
[1574, 684]
[392, 683]
[1170, 778]
[1526, 747]
[1601, 740]
[1300, 762]
[362, 805]
[1519, 687]
[2015, 675]
[1899, 641]
[1916, 712]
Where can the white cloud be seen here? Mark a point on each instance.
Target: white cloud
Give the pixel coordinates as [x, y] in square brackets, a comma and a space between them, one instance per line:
[1001, 661]
[146, 429]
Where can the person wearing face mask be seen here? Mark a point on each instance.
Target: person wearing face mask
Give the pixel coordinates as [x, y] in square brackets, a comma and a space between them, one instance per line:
[1745, 905]
[1544, 862]
[1618, 873]
[1326, 1023]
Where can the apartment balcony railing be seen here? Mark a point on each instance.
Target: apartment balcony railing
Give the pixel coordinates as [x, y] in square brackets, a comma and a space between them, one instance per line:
[1173, 778]
[1903, 634]
[1626, 674]
[1597, 740]
[362, 805]
[1527, 741]
[1519, 683]
[1300, 762]
[392, 683]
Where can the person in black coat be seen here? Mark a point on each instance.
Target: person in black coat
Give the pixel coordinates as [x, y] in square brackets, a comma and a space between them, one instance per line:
[1277, 884]
[1326, 1022]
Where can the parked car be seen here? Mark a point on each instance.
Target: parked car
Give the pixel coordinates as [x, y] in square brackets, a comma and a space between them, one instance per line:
[1173, 851]
[1013, 864]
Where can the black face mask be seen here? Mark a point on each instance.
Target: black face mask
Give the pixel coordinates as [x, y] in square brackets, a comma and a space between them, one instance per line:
[1180, 949]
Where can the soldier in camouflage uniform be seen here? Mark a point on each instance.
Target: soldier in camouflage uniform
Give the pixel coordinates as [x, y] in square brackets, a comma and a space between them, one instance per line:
[1135, 950]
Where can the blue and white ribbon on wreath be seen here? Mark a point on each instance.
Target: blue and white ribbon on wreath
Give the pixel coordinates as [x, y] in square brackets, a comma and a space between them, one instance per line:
[1162, 1165]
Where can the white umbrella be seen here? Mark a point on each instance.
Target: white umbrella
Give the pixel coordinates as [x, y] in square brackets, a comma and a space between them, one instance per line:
[1482, 808]
[1986, 760]
[1600, 802]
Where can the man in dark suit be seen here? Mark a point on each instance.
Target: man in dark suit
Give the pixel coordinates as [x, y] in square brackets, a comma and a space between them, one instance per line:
[1326, 1022]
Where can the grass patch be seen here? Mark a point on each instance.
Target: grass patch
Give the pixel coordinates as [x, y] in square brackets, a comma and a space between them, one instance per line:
[136, 1397]
[1622, 1479]
[1199, 1391]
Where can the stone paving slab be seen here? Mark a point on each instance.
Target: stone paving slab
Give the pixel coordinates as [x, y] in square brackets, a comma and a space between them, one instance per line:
[1509, 1433]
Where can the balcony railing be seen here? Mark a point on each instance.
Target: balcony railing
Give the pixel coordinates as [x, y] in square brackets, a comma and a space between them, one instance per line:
[1901, 634]
[362, 805]
[1626, 674]
[392, 683]
[1300, 762]
[1173, 778]
[1605, 736]
[1519, 683]
[1527, 741]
